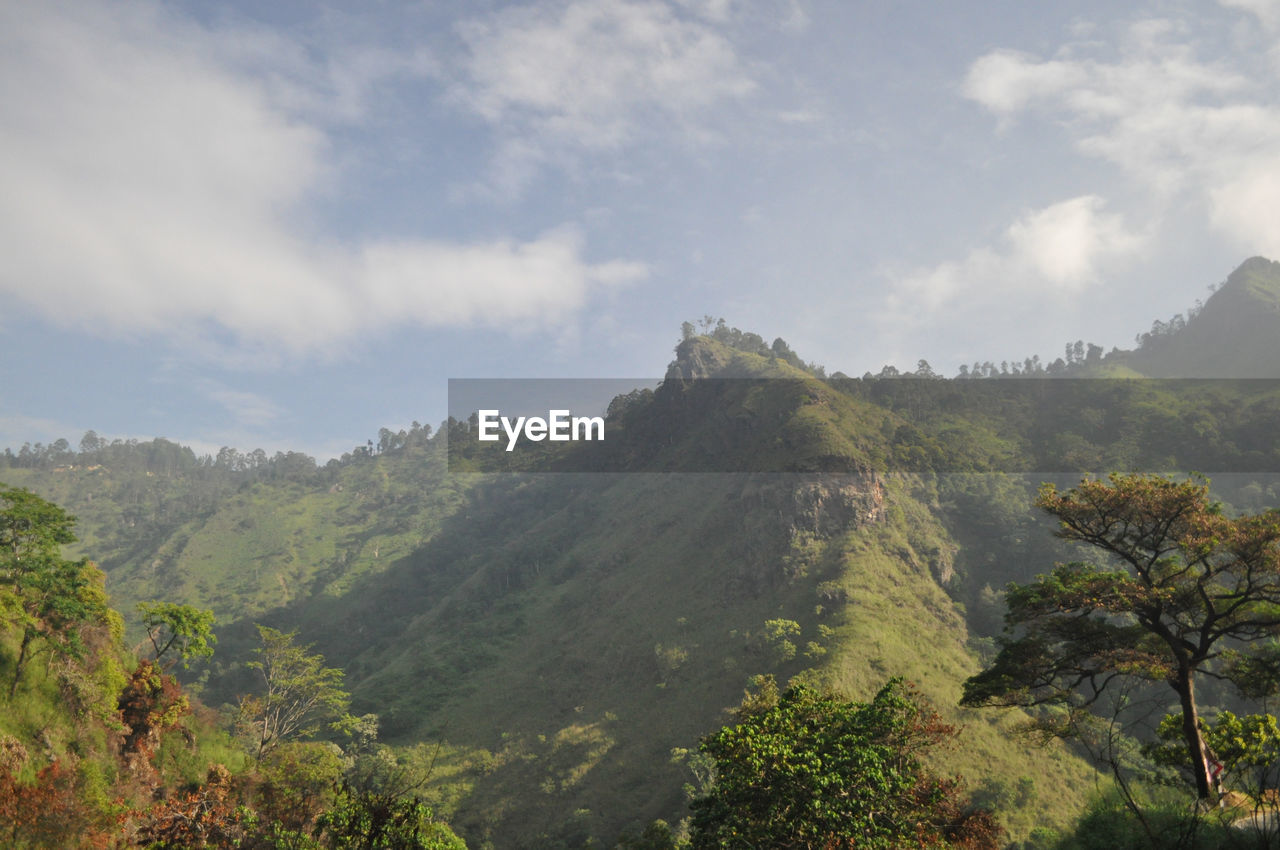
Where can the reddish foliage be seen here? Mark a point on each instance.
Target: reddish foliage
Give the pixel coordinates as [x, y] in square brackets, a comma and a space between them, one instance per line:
[950, 820]
[149, 704]
[205, 817]
[46, 812]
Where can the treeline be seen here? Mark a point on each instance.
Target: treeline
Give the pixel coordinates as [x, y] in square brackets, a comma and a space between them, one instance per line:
[1077, 356]
[164, 457]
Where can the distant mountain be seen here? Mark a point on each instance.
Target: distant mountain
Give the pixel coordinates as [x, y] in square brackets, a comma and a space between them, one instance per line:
[1235, 335]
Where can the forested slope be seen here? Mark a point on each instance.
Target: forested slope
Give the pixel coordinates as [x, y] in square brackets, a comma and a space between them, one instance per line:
[560, 636]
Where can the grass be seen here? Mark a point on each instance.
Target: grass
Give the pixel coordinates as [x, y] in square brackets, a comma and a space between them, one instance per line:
[561, 635]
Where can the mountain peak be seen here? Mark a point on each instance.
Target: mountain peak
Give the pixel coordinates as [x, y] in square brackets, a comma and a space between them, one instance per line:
[1256, 277]
[1236, 334]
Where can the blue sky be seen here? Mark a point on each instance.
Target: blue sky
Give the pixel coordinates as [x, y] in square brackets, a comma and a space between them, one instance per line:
[286, 225]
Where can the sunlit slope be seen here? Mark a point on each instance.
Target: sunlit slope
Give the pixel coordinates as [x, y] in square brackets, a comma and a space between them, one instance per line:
[570, 631]
[1235, 335]
[243, 547]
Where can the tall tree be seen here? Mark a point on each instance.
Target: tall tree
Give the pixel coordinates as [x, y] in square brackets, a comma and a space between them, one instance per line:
[46, 596]
[1183, 582]
[300, 695]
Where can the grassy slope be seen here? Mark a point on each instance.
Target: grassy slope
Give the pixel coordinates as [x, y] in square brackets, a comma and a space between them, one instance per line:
[567, 694]
[264, 545]
[563, 633]
[574, 629]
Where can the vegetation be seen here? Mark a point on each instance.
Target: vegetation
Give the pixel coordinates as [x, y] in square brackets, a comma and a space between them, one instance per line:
[533, 658]
[809, 770]
[186, 630]
[117, 759]
[1190, 581]
[300, 696]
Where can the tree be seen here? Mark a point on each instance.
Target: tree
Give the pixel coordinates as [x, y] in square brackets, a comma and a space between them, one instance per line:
[364, 819]
[810, 770]
[48, 597]
[301, 695]
[1184, 582]
[1247, 748]
[31, 530]
[183, 628]
[90, 442]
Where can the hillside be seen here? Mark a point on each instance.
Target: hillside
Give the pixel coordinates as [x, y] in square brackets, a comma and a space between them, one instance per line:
[566, 633]
[244, 541]
[559, 632]
[1232, 336]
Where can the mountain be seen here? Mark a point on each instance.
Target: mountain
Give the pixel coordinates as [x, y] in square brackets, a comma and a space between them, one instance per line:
[561, 635]
[1234, 335]
[551, 643]
[569, 632]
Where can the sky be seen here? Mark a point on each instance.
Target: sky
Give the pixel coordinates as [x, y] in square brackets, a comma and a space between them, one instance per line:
[287, 225]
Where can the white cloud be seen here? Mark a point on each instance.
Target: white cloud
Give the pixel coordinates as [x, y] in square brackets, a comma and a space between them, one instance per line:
[1064, 243]
[1177, 125]
[152, 187]
[1266, 11]
[246, 408]
[492, 284]
[592, 75]
[1059, 250]
[1005, 81]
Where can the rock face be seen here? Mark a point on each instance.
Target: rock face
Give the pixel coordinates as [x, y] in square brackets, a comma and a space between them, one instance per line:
[695, 359]
[781, 516]
[829, 505]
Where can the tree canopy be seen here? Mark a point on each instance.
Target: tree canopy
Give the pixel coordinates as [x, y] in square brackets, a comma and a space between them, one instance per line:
[184, 629]
[46, 596]
[300, 696]
[810, 770]
[1183, 583]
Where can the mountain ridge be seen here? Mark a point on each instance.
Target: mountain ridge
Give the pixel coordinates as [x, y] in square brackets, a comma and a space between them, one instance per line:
[560, 636]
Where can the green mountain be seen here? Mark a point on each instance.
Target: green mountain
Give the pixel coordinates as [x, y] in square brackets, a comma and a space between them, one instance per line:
[1234, 335]
[551, 645]
[569, 632]
[562, 635]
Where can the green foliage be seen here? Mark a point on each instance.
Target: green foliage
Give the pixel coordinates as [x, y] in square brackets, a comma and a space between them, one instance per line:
[656, 836]
[297, 783]
[1189, 581]
[1170, 823]
[300, 695]
[362, 819]
[53, 600]
[182, 628]
[31, 530]
[113, 749]
[815, 771]
[777, 633]
[1247, 748]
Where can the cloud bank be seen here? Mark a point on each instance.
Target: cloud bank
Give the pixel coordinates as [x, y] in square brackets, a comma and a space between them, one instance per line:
[1055, 251]
[155, 187]
[1178, 126]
